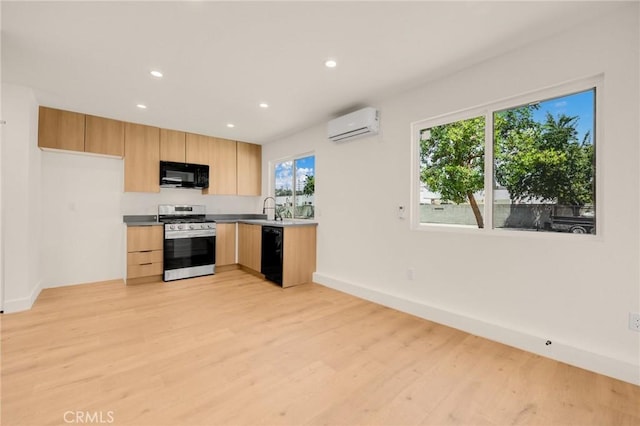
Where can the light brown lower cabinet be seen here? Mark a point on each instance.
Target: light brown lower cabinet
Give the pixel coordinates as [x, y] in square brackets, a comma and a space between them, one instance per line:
[299, 255]
[225, 244]
[144, 253]
[250, 245]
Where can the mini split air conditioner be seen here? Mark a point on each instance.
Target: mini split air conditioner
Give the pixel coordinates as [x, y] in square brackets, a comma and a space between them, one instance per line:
[364, 122]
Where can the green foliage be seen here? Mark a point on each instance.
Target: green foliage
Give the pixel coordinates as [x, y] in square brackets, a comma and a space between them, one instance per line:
[543, 161]
[309, 185]
[453, 159]
[283, 192]
[309, 188]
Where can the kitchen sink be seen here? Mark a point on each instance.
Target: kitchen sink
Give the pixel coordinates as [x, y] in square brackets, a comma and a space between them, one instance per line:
[280, 222]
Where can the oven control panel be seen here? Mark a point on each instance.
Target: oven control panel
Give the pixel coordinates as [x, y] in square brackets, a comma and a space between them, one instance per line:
[190, 226]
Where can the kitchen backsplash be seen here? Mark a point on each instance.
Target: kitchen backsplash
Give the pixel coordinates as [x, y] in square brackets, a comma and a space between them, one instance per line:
[141, 203]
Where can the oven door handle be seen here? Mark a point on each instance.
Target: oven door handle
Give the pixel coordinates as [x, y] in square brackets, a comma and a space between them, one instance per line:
[174, 235]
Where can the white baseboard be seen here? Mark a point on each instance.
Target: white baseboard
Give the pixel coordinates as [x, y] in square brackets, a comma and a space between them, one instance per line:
[23, 304]
[558, 351]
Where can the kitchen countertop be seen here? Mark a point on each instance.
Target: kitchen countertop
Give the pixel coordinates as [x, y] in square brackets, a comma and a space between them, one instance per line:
[280, 223]
[140, 220]
[256, 219]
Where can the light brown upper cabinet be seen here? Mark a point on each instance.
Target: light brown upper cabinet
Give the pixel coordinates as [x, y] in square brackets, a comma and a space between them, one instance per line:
[59, 129]
[220, 156]
[222, 174]
[197, 149]
[104, 136]
[172, 145]
[249, 162]
[141, 158]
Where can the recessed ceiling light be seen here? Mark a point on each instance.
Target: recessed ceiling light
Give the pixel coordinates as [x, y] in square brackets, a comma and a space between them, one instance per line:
[142, 106]
[231, 125]
[264, 105]
[156, 73]
[330, 63]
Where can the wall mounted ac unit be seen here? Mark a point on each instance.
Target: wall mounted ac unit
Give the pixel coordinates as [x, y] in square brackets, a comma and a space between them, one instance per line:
[364, 122]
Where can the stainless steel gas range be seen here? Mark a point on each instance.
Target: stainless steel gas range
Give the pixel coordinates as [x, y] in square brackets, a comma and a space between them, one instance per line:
[189, 241]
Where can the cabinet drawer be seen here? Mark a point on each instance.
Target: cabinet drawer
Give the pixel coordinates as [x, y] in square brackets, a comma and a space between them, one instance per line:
[144, 238]
[147, 269]
[140, 257]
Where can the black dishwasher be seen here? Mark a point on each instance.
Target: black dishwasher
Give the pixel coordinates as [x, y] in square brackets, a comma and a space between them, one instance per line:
[272, 248]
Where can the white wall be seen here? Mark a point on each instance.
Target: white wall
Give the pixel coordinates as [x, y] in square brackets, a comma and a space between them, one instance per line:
[83, 235]
[521, 290]
[147, 203]
[21, 198]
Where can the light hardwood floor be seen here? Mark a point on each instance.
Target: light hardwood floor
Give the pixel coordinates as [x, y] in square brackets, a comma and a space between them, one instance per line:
[235, 350]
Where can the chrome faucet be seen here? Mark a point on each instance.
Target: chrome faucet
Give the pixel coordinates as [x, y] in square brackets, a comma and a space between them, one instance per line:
[276, 216]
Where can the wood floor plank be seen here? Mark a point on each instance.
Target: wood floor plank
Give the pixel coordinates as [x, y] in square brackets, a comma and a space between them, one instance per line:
[233, 349]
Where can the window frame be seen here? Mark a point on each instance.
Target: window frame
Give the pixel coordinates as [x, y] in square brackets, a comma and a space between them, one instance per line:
[272, 178]
[487, 110]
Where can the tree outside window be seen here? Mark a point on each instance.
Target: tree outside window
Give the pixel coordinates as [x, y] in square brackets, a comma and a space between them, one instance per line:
[452, 167]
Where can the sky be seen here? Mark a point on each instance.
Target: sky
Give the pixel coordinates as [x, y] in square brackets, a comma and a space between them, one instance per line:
[579, 104]
[284, 172]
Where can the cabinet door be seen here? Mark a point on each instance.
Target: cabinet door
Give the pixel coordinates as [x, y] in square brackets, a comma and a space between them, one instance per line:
[197, 149]
[104, 136]
[222, 173]
[249, 168]
[225, 244]
[249, 245]
[141, 158]
[172, 145]
[299, 257]
[60, 129]
[145, 238]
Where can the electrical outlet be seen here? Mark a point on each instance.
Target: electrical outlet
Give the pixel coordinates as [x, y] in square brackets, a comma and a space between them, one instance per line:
[634, 321]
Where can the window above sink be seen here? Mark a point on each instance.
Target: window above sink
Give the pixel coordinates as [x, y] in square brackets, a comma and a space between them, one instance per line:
[294, 187]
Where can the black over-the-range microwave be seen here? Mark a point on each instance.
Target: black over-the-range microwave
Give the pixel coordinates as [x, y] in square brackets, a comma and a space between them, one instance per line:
[181, 175]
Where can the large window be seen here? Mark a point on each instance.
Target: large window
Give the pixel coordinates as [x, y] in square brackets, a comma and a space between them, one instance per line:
[295, 187]
[452, 172]
[538, 174]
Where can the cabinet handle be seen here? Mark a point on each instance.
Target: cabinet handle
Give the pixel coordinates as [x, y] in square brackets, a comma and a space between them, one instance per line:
[145, 264]
[146, 251]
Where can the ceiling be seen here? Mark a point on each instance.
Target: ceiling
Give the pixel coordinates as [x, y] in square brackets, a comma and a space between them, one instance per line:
[221, 59]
